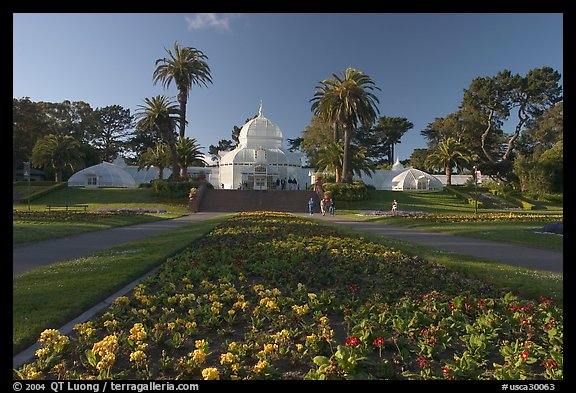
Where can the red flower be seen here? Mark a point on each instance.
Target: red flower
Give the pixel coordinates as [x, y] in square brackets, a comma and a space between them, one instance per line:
[378, 342]
[524, 355]
[353, 287]
[549, 363]
[422, 362]
[351, 341]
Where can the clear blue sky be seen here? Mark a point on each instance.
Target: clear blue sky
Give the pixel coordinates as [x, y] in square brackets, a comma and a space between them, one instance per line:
[421, 62]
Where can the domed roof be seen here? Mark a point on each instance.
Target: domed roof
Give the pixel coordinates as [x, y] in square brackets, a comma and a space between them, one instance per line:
[410, 179]
[108, 174]
[397, 165]
[260, 132]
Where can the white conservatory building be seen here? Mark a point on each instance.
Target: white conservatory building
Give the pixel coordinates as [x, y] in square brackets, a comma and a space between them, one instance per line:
[259, 161]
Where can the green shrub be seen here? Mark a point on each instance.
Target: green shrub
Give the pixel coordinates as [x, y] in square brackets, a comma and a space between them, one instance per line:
[173, 189]
[355, 191]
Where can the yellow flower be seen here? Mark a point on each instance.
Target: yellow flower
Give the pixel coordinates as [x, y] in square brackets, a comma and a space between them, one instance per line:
[200, 344]
[270, 348]
[311, 339]
[198, 356]
[312, 296]
[138, 357]
[299, 347]
[51, 337]
[106, 362]
[210, 373]
[108, 344]
[324, 320]
[259, 367]
[137, 332]
[41, 352]
[112, 323]
[122, 301]
[228, 357]
[232, 346]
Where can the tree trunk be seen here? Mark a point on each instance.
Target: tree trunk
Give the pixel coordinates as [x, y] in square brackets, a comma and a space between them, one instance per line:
[345, 158]
[516, 134]
[183, 100]
[175, 166]
[448, 173]
[485, 136]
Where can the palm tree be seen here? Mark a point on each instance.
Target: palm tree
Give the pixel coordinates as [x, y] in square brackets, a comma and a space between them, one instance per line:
[160, 115]
[346, 102]
[189, 154]
[186, 67]
[448, 154]
[329, 158]
[57, 152]
[158, 156]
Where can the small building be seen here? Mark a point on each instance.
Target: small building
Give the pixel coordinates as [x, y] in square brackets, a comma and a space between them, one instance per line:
[105, 174]
[400, 178]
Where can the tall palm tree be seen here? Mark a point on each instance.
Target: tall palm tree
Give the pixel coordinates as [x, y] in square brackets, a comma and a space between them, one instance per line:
[448, 154]
[345, 102]
[160, 114]
[57, 152]
[189, 154]
[158, 156]
[185, 66]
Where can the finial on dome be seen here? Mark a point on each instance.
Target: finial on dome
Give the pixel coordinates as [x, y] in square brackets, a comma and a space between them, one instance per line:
[260, 111]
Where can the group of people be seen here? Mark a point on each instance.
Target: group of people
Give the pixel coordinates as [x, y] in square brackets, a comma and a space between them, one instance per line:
[326, 205]
[290, 184]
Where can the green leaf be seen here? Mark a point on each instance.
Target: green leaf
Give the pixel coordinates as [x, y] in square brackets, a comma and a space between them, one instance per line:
[321, 360]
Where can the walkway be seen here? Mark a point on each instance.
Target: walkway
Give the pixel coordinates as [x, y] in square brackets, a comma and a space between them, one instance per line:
[512, 254]
[31, 255]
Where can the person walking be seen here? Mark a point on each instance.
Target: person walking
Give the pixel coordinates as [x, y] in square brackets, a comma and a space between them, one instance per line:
[394, 207]
[331, 207]
[311, 205]
[324, 205]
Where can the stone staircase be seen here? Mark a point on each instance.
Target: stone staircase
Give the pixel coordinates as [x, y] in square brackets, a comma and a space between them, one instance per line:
[296, 201]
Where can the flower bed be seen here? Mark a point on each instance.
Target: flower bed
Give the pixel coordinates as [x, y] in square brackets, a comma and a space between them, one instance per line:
[129, 210]
[391, 213]
[275, 296]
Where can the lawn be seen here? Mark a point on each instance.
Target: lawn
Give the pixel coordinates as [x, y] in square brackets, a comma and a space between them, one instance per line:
[139, 205]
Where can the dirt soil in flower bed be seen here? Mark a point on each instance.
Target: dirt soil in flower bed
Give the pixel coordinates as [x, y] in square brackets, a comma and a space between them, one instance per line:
[274, 296]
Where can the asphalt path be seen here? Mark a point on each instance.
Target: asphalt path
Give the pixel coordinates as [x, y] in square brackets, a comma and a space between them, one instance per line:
[512, 254]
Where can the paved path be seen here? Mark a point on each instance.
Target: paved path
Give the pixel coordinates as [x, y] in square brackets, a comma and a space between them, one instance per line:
[517, 255]
[30, 255]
